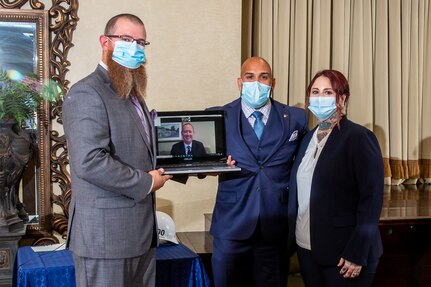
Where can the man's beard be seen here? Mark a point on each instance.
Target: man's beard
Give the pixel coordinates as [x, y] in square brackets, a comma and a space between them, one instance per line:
[125, 81]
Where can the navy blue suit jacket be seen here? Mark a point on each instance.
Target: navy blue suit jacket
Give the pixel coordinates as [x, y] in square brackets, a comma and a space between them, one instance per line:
[198, 149]
[258, 193]
[346, 196]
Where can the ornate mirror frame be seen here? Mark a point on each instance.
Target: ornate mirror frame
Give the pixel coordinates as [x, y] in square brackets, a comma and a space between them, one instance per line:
[62, 21]
[30, 54]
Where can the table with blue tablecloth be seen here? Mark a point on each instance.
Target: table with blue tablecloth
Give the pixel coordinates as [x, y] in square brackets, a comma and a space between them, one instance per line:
[177, 265]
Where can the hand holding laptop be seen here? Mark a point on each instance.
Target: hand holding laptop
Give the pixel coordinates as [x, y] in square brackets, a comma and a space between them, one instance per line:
[229, 162]
[159, 178]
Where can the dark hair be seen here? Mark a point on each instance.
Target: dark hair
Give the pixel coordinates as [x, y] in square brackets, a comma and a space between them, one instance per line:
[110, 26]
[339, 84]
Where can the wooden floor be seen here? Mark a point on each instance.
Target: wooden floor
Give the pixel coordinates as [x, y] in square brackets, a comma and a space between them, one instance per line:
[405, 227]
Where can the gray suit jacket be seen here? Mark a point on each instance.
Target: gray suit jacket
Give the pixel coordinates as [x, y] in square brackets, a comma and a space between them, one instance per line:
[112, 213]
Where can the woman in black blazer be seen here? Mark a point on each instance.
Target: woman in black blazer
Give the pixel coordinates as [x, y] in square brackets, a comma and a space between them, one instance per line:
[336, 192]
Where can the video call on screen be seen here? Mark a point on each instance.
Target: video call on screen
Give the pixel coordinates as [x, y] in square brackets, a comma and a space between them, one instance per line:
[206, 129]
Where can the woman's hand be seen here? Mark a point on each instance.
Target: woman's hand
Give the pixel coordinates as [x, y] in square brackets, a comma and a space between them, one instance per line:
[349, 269]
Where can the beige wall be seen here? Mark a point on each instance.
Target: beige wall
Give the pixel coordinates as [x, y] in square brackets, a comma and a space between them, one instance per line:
[193, 62]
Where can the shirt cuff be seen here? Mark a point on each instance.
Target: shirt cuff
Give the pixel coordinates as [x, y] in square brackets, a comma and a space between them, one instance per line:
[152, 184]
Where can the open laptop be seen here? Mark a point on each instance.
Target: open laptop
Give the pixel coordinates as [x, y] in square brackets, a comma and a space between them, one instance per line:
[206, 132]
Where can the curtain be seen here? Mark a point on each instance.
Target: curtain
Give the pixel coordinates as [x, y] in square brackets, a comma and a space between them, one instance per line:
[383, 47]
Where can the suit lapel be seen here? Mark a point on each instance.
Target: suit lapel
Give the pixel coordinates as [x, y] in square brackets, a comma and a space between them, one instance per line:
[103, 73]
[152, 131]
[277, 111]
[132, 110]
[235, 113]
[284, 117]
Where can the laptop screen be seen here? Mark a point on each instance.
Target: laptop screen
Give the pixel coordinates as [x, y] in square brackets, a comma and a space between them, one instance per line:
[185, 136]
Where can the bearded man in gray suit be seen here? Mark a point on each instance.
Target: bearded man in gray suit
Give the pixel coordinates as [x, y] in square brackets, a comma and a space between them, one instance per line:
[110, 138]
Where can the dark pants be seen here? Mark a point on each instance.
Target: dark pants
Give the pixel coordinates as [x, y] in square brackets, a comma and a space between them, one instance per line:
[251, 262]
[316, 275]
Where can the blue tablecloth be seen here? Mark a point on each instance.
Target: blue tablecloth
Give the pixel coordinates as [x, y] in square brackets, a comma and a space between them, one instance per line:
[176, 265]
[54, 268]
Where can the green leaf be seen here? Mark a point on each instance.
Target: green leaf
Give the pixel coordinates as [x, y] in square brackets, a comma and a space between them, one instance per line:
[20, 100]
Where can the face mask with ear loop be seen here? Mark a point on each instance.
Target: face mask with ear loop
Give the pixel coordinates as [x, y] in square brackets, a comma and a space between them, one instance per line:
[128, 54]
[255, 94]
[322, 107]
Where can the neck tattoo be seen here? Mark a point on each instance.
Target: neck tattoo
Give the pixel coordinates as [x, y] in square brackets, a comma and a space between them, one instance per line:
[326, 126]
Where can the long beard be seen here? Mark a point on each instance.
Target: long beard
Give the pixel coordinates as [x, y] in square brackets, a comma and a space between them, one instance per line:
[125, 81]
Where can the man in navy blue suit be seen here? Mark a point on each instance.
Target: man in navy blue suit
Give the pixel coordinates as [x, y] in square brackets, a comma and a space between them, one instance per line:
[188, 146]
[249, 222]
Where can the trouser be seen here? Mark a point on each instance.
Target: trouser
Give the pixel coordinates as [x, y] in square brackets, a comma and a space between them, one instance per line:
[316, 275]
[252, 262]
[124, 272]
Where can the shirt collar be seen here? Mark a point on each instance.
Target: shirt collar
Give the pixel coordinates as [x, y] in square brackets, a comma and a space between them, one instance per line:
[247, 110]
[103, 65]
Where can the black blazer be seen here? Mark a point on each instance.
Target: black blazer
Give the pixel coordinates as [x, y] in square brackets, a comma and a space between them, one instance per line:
[346, 196]
[198, 149]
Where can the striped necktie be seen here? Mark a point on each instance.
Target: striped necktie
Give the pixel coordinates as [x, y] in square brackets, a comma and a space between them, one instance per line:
[189, 150]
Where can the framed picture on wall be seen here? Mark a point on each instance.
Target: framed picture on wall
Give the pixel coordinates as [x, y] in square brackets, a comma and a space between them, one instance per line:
[169, 131]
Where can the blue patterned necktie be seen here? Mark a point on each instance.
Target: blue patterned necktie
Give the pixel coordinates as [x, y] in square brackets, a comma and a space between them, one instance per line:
[258, 124]
[189, 150]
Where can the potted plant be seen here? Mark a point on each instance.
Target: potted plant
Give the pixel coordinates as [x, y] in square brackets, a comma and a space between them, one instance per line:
[21, 96]
[20, 99]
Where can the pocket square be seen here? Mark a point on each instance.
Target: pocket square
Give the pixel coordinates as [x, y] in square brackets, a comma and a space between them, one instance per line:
[293, 136]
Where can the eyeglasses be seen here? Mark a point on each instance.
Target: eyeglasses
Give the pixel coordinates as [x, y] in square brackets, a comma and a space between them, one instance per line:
[130, 39]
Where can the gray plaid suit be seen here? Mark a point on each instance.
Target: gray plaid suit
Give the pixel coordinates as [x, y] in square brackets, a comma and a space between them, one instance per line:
[112, 213]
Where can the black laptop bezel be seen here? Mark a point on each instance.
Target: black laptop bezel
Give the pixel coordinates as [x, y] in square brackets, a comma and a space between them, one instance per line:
[220, 137]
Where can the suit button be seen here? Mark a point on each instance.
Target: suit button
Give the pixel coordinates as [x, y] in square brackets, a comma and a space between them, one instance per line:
[261, 167]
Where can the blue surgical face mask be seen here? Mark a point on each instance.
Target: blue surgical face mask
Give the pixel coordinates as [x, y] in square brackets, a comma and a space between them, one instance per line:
[322, 107]
[128, 54]
[255, 94]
